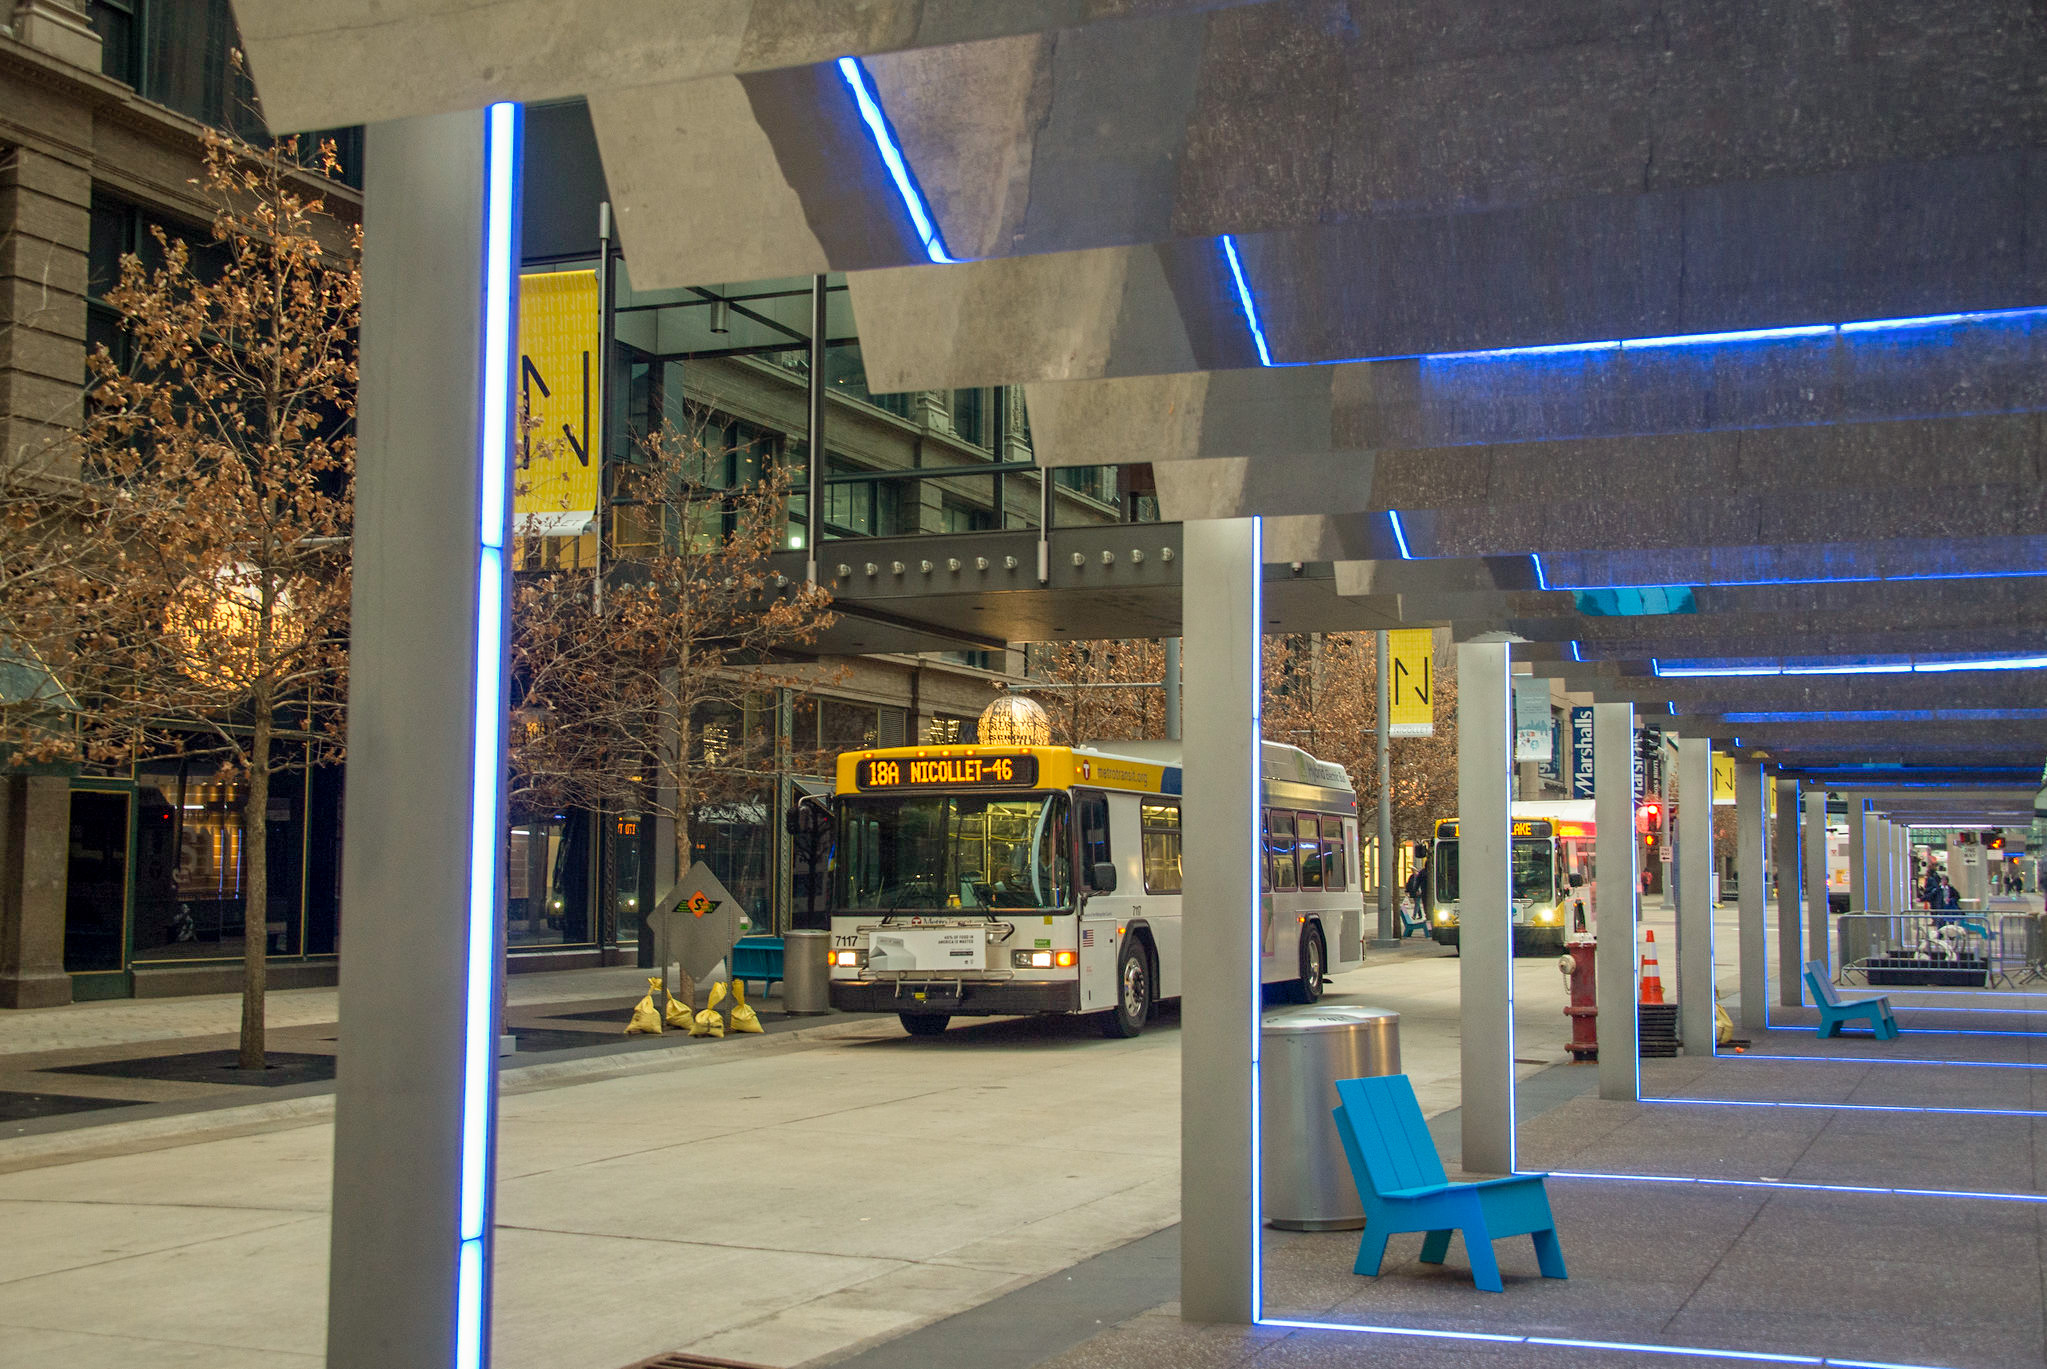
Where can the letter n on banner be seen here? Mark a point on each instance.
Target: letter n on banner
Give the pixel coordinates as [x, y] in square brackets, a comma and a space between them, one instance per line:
[1413, 707]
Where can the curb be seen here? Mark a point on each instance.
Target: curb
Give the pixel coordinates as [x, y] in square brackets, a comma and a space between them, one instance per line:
[209, 1119]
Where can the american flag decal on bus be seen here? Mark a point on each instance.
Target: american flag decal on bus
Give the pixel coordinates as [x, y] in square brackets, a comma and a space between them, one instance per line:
[1087, 936]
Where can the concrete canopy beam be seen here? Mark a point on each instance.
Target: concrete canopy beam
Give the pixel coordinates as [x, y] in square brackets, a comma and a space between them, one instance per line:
[439, 56]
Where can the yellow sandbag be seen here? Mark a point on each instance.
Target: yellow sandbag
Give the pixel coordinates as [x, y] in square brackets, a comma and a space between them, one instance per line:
[678, 1004]
[709, 1022]
[645, 1017]
[744, 1018]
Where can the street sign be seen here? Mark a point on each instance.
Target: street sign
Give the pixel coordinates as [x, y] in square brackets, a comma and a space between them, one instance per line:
[1581, 753]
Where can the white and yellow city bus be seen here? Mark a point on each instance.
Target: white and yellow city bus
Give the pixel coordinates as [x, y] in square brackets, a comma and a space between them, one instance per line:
[980, 880]
[1554, 875]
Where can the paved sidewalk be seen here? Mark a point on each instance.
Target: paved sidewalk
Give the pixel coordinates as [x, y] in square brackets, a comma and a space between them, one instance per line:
[781, 1201]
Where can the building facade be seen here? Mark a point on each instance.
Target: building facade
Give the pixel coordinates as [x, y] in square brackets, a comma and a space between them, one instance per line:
[132, 883]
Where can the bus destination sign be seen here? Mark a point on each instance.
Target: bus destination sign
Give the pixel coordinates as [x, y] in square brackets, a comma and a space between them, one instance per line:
[948, 772]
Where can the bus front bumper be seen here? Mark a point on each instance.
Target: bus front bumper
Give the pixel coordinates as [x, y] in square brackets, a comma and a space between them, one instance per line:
[1529, 938]
[957, 998]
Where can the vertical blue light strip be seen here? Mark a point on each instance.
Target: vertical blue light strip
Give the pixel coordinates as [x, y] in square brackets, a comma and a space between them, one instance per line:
[1246, 301]
[1399, 534]
[891, 149]
[479, 1045]
[1255, 921]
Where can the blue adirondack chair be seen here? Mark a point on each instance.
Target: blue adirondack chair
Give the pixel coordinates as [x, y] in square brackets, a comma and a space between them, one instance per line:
[1404, 1188]
[1834, 1010]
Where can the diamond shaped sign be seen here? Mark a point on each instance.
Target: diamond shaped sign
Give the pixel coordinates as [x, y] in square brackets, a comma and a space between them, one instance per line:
[694, 924]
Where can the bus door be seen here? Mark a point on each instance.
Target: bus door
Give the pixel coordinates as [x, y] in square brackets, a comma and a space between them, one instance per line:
[1104, 897]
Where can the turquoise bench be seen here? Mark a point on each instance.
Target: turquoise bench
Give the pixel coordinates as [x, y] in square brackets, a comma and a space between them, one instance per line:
[1404, 1187]
[1834, 1010]
[758, 957]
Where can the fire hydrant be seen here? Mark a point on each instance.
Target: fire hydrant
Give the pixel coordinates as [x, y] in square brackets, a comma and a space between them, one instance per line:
[1583, 1009]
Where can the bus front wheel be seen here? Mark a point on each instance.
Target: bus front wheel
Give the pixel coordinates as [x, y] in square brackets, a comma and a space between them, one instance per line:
[1133, 992]
[924, 1023]
[1314, 967]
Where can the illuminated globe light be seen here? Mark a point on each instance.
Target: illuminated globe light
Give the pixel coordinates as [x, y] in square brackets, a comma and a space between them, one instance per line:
[1013, 720]
[214, 620]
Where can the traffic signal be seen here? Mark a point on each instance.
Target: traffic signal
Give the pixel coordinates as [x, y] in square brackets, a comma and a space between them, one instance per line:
[1649, 816]
[1995, 839]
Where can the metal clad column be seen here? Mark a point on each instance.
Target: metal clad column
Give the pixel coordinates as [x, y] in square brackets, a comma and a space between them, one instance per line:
[1387, 875]
[1219, 1025]
[1816, 919]
[1485, 770]
[1619, 900]
[423, 866]
[1750, 843]
[1695, 895]
[1858, 855]
[1789, 861]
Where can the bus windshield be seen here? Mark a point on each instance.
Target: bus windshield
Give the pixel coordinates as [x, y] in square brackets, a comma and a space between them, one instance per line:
[966, 852]
[1532, 873]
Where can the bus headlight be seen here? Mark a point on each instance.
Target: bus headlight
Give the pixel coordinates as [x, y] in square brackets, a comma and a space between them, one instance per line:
[846, 960]
[1031, 960]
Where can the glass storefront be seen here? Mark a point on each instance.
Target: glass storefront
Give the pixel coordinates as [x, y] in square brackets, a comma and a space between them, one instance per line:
[191, 866]
[547, 882]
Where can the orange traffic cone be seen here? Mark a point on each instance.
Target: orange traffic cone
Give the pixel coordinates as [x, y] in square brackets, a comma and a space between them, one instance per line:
[1652, 980]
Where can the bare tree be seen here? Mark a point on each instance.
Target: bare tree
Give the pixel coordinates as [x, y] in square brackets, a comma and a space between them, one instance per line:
[620, 690]
[220, 448]
[1101, 690]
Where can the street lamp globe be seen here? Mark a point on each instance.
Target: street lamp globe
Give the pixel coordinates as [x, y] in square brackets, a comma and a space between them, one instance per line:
[1013, 720]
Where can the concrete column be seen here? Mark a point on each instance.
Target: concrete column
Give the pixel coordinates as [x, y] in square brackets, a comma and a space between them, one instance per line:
[1618, 906]
[1817, 923]
[1485, 776]
[423, 868]
[1389, 865]
[1786, 857]
[1696, 1023]
[1858, 855]
[35, 847]
[1751, 842]
[1219, 1026]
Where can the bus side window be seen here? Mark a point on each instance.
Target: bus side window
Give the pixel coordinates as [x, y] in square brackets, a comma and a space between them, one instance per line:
[1336, 859]
[1279, 846]
[1310, 846]
[1093, 812]
[1161, 847]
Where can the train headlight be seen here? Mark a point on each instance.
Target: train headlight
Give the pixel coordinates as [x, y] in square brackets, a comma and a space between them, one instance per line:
[1446, 919]
[1543, 914]
[846, 960]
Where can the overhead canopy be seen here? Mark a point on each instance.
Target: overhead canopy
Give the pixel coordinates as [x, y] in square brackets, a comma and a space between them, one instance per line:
[1703, 358]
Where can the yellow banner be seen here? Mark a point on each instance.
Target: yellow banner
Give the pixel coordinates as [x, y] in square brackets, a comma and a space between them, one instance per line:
[1723, 779]
[1413, 708]
[560, 349]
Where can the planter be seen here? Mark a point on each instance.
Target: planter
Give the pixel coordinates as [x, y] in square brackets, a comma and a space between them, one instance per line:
[1906, 972]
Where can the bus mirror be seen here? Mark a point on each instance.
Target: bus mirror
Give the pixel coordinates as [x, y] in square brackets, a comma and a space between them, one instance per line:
[808, 817]
[1103, 877]
[1577, 880]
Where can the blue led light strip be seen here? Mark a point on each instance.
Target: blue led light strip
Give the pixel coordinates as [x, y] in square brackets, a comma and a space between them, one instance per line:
[1253, 923]
[1247, 298]
[1399, 534]
[1797, 1186]
[891, 150]
[1246, 301]
[1847, 1107]
[1887, 1060]
[1872, 668]
[1569, 1343]
[486, 838]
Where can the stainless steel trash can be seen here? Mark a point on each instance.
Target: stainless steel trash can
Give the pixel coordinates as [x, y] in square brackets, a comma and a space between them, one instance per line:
[1302, 1053]
[806, 972]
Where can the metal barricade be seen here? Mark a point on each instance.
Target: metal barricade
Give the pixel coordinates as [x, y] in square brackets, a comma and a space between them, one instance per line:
[1921, 949]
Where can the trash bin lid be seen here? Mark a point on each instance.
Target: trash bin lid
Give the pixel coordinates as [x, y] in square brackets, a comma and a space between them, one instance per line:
[1335, 1017]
